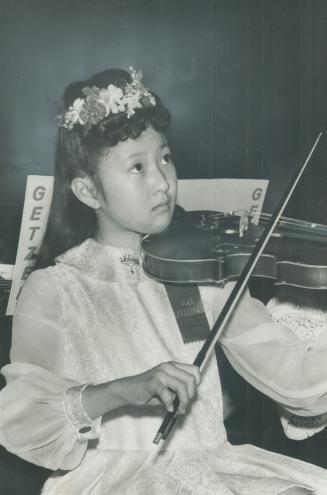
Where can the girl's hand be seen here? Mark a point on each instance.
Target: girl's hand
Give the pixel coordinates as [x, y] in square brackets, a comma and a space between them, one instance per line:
[160, 384]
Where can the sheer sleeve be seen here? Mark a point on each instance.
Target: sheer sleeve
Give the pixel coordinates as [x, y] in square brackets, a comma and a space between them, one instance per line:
[42, 418]
[306, 322]
[273, 359]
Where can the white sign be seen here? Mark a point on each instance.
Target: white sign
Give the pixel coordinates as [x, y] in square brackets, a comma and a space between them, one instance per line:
[35, 214]
[225, 195]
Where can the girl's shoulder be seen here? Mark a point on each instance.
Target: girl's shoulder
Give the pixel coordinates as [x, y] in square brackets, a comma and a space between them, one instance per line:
[100, 262]
[38, 295]
[39, 280]
[84, 258]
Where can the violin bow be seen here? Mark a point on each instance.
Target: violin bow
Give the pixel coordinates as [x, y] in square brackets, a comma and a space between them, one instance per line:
[235, 295]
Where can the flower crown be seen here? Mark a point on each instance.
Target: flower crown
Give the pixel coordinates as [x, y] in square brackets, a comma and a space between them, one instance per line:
[99, 103]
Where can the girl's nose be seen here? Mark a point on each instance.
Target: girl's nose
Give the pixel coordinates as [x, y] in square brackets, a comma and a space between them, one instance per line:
[159, 180]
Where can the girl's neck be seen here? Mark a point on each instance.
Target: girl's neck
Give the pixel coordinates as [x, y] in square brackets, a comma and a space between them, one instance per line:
[128, 240]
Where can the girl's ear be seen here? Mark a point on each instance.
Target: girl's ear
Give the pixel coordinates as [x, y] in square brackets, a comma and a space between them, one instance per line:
[86, 191]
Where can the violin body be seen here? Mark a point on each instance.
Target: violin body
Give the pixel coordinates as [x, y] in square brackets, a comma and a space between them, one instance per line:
[212, 247]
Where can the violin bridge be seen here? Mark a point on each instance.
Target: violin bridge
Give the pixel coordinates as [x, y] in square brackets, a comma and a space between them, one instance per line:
[244, 222]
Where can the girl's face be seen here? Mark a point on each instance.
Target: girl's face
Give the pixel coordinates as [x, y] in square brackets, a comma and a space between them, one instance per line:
[139, 186]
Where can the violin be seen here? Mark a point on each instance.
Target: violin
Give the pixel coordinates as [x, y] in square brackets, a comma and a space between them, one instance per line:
[213, 247]
[260, 244]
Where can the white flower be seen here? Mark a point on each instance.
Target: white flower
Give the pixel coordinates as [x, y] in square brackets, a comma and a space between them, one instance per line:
[72, 115]
[151, 99]
[137, 77]
[111, 98]
[132, 101]
[78, 104]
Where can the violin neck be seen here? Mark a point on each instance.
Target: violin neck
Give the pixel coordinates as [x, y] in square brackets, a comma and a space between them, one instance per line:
[293, 227]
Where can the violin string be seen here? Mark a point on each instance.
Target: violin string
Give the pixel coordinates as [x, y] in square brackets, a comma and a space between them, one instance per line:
[296, 221]
[285, 222]
[267, 216]
[313, 227]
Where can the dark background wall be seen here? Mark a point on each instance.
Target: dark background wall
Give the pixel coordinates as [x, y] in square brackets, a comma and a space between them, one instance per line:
[245, 81]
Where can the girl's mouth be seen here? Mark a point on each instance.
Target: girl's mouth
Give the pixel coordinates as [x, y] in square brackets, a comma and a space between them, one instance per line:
[162, 206]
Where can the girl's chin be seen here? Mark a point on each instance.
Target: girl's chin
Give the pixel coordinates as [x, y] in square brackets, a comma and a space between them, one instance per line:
[159, 226]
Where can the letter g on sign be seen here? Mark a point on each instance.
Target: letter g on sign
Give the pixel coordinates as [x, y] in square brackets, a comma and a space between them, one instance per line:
[38, 193]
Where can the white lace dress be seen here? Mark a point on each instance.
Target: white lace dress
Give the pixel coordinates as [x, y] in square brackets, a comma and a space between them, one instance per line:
[96, 316]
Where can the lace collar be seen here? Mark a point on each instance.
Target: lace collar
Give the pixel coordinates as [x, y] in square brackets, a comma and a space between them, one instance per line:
[104, 262]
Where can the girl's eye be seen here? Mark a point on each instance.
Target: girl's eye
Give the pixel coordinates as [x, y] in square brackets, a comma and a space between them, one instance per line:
[137, 168]
[167, 158]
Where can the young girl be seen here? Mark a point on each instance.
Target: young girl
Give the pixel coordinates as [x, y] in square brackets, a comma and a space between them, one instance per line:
[97, 355]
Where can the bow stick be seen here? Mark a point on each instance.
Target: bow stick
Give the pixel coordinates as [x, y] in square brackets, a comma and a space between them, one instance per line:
[235, 295]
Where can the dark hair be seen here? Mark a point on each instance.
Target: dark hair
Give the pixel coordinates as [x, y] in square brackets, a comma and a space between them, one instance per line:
[77, 155]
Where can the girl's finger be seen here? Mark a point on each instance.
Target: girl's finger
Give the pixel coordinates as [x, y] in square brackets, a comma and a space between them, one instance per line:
[167, 397]
[182, 373]
[175, 385]
[190, 368]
